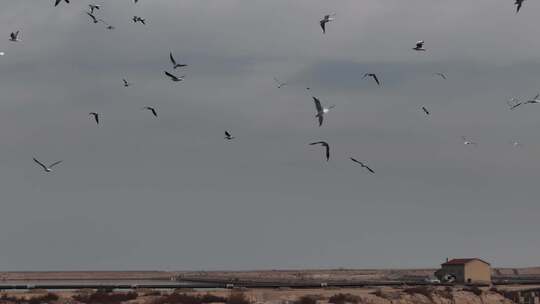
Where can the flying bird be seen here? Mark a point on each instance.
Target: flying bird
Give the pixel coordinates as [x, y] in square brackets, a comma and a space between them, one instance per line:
[151, 109]
[325, 20]
[279, 83]
[107, 25]
[14, 36]
[362, 165]
[425, 110]
[93, 7]
[325, 145]
[517, 144]
[419, 46]
[95, 115]
[374, 76]
[320, 110]
[513, 103]
[468, 142]
[2, 53]
[533, 100]
[518, 4]
[58, 2]
[442, 75]
[228, 136]
[175, 65]
[49, 168]
[126, 83]
[94, 19]
[173, 77]
[139, 19]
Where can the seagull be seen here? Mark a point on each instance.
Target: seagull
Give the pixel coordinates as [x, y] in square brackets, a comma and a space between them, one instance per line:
[513, 103]
[14, 36]
[173, 77]
[228, 136]
[176, 65]
[325, 145]
[372, 76]
[442, 75]
[517, 144]
[518, 4]
[93, 7]
[279, 83]
[533, 100]
[325, 20]
[362, 164]
[126, 83]
[49, 168]
[95, 115]
[468, 142]
[58, 2]
[151, 109]
[93, 17]
[139, 19]
[425, 110]
[419, 46]
[320, 110]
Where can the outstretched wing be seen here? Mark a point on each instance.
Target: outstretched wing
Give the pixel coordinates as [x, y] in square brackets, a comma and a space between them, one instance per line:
[57, 2]
[368, 168]
[323, 26]
[172, 59]
[55, 163]
[376, 79]
[170, 75]
[318, 105]
[39, 163]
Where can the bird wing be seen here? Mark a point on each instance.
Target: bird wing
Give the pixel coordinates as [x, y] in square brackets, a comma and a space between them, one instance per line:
[327, 146]
[170, 75]
[154, 111]
[41, 164]
[323, 26]
[57, 2]
[92, 16]
[442, 75]
[55, 163]
[425, 110]
[536, 97]
[172, 59]
[321, 119]
[368, 168]
[318, 105]
[376, 79]
[227, 134]
[354, 160]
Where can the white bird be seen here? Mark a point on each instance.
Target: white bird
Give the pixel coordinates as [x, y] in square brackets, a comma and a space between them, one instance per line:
[325, 145]
[325, 20]
[320, 110]
[151, 109]
[14, 36]
[126, 83]
[468, 142]
[228, 136]
[58, 2]
[175, 65]
[173, 77]
[419, 46]
[279, 83]
[93, 7]
[49, 168]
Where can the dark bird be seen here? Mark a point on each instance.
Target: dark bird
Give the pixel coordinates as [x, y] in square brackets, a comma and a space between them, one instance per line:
[175, 65]
[320, 110]
[139, 19]
[325, 145]
[325, 20]
[14, 36]
[49, 168]
[95, 115]
[419, 46]
[362, 164]
[425, 110]
[228, 136]
[442, 75]
[518, 4]
[94, 19]
[151, 109]
[173, 77]
[372, 76]
[126, 83]
[58, 2]
[93, 7]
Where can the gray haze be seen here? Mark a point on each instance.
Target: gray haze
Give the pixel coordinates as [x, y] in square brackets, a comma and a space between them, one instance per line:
[142, 193]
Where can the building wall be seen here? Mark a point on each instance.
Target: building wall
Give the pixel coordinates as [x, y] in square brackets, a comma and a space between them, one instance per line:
[477, 271]
[457, 270]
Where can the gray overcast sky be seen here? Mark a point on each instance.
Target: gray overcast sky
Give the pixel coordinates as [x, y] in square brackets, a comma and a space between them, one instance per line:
[170, 193]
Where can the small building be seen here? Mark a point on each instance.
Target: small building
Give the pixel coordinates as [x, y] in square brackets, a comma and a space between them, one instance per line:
[465, 271]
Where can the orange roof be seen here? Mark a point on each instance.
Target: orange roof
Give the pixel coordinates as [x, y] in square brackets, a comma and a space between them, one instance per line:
[463, 261]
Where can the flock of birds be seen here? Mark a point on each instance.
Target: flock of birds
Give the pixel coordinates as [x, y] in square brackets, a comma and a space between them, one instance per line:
[320, 110]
